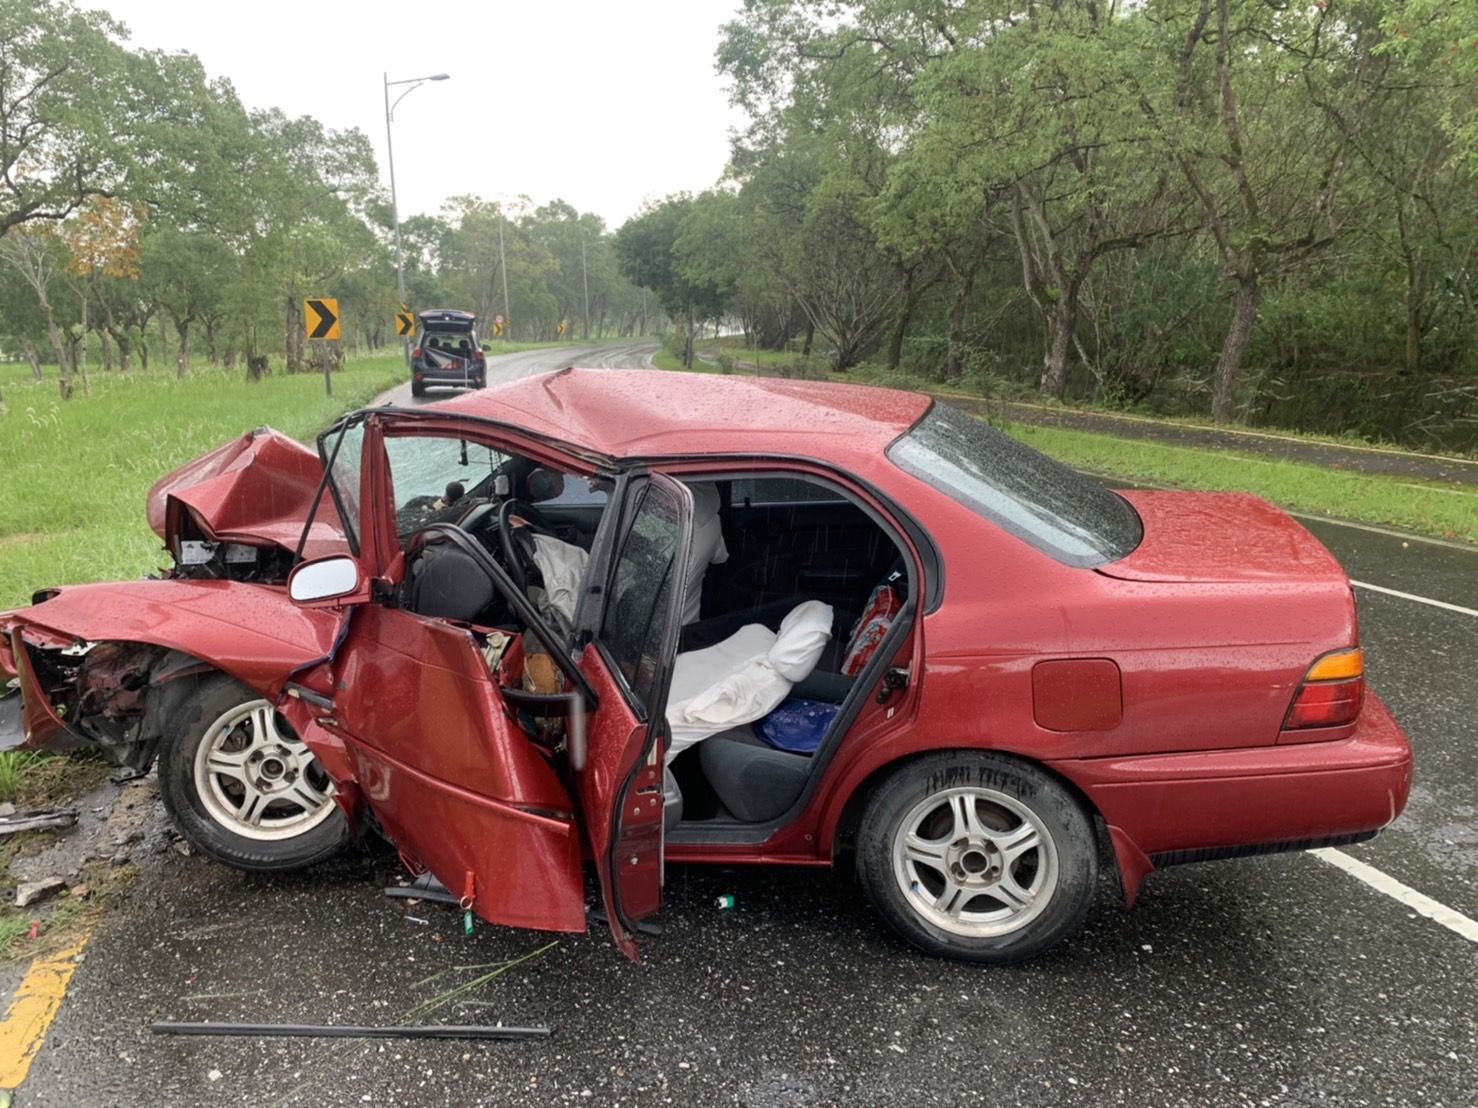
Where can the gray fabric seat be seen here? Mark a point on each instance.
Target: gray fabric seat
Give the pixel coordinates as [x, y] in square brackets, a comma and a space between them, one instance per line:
[754, 781]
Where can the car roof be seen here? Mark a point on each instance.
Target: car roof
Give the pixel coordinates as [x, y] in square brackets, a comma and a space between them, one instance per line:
[446, 315]
[627, 413]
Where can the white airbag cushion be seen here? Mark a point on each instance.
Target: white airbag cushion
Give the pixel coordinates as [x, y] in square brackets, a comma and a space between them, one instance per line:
[804, 633]
[562, 565]
[737, 681]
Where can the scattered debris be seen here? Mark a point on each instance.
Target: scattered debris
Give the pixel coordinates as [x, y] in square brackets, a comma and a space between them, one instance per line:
[214, 1075]
[28, 892]
[725, 902]
[34, 932]
[426, 887]
[352, 1031]
[36, 821]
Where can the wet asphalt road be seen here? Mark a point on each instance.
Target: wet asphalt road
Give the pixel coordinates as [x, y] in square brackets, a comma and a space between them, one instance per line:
[1277, 981]
[628, 354]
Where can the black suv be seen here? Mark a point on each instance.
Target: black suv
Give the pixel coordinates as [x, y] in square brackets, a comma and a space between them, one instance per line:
[447, 352]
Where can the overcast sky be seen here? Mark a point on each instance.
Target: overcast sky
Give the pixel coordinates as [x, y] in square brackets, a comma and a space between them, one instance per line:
[602, 103]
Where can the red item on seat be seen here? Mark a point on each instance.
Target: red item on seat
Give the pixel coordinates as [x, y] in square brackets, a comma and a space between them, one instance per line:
[882, 606]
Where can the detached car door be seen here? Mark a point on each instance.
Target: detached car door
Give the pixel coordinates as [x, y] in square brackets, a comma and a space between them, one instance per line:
[628, 662]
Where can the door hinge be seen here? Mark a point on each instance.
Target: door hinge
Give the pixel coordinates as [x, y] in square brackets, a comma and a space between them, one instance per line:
[895, 680]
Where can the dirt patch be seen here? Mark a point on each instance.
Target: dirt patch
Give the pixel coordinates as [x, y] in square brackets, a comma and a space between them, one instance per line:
[118, 827]
[20, 539]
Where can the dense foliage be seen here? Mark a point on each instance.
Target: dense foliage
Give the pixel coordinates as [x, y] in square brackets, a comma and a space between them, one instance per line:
[1244, 208]
[145, 213]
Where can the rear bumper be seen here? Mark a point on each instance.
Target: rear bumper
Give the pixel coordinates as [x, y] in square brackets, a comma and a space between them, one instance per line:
[449, 377]
[1178, 807]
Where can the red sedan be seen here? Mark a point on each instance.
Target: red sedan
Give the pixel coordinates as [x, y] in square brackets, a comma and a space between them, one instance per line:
[630, 618]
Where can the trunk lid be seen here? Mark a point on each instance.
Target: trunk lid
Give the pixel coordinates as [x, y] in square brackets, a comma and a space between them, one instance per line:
[1220, 537]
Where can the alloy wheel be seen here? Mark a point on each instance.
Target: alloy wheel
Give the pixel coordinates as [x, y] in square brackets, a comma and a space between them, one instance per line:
[257, 779]
[975, 862]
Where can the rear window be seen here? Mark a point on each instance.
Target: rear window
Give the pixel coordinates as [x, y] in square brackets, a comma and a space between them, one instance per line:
[1055, 509]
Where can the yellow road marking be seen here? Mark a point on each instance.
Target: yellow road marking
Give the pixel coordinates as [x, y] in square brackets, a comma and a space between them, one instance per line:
[31, 1011]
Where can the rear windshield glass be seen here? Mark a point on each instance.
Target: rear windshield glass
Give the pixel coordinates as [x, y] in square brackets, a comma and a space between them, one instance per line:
[1060, 512]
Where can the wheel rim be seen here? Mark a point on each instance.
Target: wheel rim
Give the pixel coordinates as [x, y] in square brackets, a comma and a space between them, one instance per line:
[257, 779]
[975, 862]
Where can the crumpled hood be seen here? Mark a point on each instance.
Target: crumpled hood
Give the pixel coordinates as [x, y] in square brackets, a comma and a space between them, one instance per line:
[256, 489]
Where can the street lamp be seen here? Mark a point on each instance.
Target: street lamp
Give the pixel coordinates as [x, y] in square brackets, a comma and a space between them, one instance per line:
[415, 83]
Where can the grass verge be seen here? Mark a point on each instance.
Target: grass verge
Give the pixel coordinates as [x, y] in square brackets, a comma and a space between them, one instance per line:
[74, 474]
[1419, 506]
[1366, 498]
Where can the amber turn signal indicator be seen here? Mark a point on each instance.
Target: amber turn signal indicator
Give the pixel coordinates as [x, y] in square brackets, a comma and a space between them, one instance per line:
[1332, 692]
[1339, 666]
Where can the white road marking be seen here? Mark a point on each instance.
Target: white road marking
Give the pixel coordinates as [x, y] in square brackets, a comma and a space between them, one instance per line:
[1418, 599]
[1466, 547]
[1419, 903]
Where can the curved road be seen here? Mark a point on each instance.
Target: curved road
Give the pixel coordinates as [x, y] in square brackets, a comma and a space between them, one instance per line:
[630, 354]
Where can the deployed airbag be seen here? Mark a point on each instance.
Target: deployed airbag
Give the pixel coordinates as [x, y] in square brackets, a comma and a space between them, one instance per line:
[744, 677]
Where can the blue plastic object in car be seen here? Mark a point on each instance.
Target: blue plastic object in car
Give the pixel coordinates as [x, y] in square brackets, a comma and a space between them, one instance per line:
[797, 726]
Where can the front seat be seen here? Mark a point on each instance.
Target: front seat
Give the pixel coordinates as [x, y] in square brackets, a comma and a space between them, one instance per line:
[445, 583]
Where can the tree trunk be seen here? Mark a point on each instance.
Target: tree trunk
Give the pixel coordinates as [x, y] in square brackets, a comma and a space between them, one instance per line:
[1229, 368]
[911, 296]
[1060, 322]
[688, 346]
[107, 350]
[143, 350]
[955, 360]
[28, 348]
[1411, 357]
[125, 350]
[54, 334]
[182, 356]
[810, 338]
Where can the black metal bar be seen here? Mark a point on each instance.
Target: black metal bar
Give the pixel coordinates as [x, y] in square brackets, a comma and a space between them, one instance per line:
[350, 1031]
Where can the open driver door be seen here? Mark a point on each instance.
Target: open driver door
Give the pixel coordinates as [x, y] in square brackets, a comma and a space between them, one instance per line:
[628, 662]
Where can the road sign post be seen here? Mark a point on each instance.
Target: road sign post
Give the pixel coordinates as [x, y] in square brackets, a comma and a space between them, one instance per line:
[321, 325]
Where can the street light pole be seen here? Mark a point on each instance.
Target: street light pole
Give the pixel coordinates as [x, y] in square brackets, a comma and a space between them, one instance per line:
[585, 278]
[415, 83]
[503, 263]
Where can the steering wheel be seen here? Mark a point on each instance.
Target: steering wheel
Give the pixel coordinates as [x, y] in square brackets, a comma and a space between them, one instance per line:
[517, 558]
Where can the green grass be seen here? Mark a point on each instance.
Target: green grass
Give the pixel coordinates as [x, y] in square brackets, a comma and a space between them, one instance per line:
[1368, 498]
[74, 474]
[663, 360]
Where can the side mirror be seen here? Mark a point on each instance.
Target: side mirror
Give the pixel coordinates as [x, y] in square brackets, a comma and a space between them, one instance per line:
[334, 580]
[487, 347]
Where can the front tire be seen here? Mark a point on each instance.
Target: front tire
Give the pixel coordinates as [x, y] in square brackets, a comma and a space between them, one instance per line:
[240, 785]
[978, 857]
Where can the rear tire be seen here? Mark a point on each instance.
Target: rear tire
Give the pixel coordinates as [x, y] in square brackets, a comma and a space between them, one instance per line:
[241, 787]
[977, 856]
[417, 389]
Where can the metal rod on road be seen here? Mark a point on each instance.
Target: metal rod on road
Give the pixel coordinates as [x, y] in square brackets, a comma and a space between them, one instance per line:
[350, 1031]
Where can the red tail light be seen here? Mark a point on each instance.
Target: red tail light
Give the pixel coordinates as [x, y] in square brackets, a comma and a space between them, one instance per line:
[480, 356]
[1331, 694]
